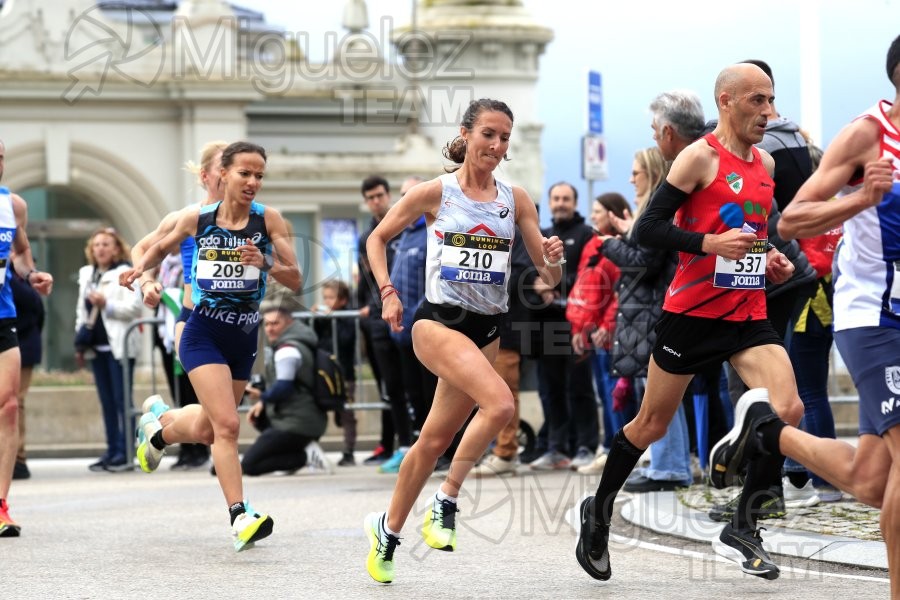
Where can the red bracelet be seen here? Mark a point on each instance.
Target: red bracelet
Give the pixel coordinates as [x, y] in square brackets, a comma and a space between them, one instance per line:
[387, 285]
[393, 290]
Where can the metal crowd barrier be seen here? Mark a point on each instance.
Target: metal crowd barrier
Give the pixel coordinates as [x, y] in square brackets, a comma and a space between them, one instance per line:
[133, 411]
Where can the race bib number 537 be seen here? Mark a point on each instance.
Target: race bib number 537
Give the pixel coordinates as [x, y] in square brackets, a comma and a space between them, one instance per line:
[469, 258]
[748, 273]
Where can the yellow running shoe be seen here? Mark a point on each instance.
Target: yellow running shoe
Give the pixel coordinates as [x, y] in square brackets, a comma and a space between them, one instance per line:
[380, 562]
[147, 454]
[250, 527]
[439, 530]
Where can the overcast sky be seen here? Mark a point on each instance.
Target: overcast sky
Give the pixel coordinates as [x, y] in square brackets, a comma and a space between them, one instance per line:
[656, 45]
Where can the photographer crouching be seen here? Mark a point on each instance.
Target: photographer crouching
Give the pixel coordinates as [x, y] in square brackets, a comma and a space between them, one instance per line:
[285, 413]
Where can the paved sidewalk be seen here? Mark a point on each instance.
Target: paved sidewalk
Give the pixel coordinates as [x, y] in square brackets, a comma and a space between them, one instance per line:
[844, 532]
[128, 535]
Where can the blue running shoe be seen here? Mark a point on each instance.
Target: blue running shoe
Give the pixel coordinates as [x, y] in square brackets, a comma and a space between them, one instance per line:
[392, 465]
[153, 404]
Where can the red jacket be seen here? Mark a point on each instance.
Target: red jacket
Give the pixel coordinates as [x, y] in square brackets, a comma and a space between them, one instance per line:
[592, 302]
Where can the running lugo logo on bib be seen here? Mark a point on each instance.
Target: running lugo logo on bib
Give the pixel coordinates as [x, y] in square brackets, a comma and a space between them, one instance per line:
[469, 258]
[220, 270]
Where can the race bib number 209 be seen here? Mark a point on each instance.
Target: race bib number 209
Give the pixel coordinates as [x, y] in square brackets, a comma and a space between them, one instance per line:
[220, 270]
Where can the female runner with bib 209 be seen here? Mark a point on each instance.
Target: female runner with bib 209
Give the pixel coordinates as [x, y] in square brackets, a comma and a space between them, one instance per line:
[471, 219]
[234, 239]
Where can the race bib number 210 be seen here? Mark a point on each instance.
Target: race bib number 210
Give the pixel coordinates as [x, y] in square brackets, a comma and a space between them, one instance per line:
[468, 258]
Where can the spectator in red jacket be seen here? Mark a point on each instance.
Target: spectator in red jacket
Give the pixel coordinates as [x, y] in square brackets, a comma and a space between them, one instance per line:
[591, 310]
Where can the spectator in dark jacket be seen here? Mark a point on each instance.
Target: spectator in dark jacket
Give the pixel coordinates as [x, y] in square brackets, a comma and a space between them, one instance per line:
[380, 349]
[29, 323]
[336, 296]
[564, 384]
[516, 340]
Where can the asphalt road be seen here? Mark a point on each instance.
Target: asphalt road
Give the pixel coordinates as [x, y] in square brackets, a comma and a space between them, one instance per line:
[166, 536]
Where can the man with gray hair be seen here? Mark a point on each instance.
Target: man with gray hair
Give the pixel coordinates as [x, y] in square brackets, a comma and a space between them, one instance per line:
[677, 121]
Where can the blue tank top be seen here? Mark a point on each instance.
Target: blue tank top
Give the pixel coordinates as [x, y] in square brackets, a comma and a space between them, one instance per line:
[187, 259]
[7, 234]
[219, 280]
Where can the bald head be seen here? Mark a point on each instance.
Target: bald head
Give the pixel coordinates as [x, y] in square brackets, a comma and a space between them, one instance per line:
[746, 103]
[736, 78]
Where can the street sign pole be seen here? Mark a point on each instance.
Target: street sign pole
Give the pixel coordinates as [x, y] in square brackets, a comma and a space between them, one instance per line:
[593, 146]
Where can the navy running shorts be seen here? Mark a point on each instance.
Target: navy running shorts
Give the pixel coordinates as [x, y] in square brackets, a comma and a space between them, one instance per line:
[214, 336]
[872, 355]
[184, 315]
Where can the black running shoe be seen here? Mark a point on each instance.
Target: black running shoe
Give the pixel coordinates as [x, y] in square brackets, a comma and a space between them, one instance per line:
[730, 453]
[744, 546]
[772, 507]
[592, 550]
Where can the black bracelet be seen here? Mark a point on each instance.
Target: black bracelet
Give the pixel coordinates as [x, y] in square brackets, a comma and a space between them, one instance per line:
[28, 275]
[268, 262]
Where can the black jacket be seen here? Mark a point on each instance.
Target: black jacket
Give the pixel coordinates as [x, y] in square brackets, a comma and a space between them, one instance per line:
[645, 274]
[367, 289]
[516, 330]
[574, 234]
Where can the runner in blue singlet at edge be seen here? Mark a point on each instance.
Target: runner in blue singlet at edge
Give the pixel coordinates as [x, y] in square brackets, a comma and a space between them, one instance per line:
[13, 220]
[235, 239]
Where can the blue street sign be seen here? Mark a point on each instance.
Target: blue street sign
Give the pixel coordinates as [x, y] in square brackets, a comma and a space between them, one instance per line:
[595, 102]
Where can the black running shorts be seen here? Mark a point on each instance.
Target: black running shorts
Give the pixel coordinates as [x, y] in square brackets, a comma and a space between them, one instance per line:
[481, 329]
[8, 336]
[688, 345]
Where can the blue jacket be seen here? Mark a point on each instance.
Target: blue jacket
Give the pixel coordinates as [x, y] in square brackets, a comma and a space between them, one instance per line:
[408, 275]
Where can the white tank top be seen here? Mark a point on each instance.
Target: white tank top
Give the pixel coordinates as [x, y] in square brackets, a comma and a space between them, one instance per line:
[469, 245]
[867, 266]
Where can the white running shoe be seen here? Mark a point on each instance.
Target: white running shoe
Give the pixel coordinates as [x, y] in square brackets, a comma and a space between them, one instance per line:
[147, 454]
[596, 465]
[155, 404]
[316, 461]
[250, 527]
[495, 466]
[795, 497]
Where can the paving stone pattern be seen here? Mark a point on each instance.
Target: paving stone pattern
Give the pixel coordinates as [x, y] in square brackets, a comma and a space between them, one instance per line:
[845, 518]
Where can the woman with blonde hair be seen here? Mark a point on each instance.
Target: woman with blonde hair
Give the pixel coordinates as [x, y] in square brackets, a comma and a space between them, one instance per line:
[648, 171]
[102, 315]
[173, 269]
